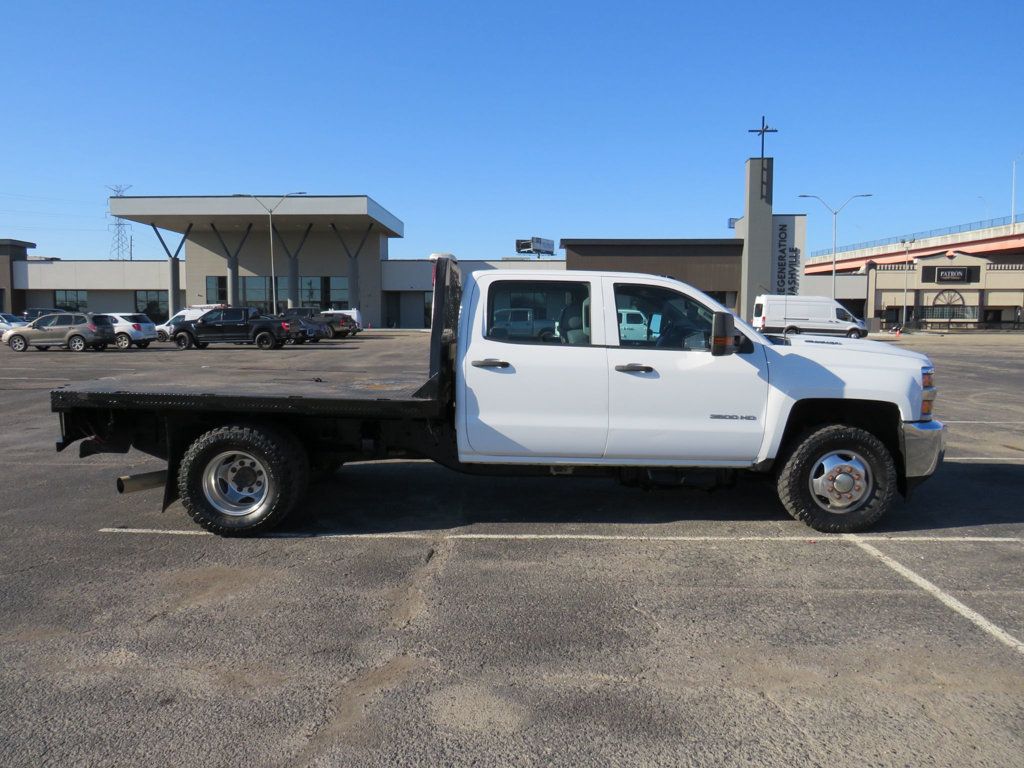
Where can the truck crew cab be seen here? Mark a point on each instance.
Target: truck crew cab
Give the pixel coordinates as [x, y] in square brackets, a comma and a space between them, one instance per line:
[238, 325]
[840, 425]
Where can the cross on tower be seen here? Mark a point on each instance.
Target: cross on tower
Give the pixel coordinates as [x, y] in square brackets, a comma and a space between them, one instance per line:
[763, 130]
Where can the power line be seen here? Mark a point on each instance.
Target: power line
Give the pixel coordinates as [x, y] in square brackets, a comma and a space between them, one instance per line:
[121, 245]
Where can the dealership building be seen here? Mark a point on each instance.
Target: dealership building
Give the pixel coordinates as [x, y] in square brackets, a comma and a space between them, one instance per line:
[333, 251]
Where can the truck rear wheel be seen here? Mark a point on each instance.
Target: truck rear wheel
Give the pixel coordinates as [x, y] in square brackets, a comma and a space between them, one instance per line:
[838, 479]
[265, 340]
[242, 479]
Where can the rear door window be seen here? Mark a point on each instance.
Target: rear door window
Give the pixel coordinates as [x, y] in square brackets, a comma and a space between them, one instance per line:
[539, 312]
[63, 320]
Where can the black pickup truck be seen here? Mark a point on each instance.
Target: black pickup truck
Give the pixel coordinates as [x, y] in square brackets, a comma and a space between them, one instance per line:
[234, 325]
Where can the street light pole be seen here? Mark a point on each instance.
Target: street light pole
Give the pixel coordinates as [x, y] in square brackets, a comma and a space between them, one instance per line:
[906, 269]
[835, 226]
[1013, 193]
[270, 231]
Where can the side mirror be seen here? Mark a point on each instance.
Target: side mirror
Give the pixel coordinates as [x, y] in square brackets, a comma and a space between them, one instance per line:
[723, 334]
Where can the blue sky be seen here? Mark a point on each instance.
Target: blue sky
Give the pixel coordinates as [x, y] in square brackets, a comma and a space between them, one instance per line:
[476, 123]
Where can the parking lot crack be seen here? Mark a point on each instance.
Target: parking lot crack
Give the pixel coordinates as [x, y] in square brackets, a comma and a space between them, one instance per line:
[411, 601]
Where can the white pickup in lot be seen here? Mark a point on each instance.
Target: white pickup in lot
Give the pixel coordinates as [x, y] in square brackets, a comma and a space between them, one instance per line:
[644, 379]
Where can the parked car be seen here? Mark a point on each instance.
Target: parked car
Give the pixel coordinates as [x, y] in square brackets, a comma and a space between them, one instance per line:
[31, 314]
[634, 326]
[165, 331]
[341, 324]
[8, 321]
[806, 314]
[74, 330]
[519, 323]
[132, 329]
[351, 327]
[311, 324]
[239, 325]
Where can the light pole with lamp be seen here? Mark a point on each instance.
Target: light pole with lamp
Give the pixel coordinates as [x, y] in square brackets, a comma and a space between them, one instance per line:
[906, 269]
[835, 216]
[270, 226]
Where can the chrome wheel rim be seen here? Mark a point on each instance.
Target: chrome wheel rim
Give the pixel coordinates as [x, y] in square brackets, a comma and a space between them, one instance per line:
[18, 344]
[123, 342]
[841, 481]
[236, 483]
[77, 344]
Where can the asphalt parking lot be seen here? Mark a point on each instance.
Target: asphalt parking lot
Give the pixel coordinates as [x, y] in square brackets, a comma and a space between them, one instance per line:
[413, 616]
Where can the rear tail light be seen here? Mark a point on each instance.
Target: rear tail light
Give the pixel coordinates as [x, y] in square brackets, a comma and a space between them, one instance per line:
[92, 327]
[284, 325]
[136, 326]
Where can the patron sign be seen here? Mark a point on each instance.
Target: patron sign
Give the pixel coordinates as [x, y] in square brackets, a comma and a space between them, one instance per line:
[788, 235]
[951, 274]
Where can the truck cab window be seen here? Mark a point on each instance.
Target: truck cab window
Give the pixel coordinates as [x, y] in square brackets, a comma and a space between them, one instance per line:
[539, 312]
[651, 316]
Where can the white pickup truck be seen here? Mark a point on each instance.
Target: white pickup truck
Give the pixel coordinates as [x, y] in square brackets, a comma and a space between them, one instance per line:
[840, 425]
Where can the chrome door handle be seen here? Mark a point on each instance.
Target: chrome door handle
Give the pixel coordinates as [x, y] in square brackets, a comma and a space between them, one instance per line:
[634, 368]
[490, 362]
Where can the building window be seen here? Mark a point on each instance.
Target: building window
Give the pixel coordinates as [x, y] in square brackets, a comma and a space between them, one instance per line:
[153, 304]
[256, 293]
[428, 308]
[71, 301]
[216, 290]
[338, 293]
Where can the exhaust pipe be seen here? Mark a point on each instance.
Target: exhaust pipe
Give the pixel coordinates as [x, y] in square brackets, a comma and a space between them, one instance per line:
[143, 482]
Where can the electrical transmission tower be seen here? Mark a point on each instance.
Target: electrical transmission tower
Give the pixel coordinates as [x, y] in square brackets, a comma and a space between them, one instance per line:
[121, 244]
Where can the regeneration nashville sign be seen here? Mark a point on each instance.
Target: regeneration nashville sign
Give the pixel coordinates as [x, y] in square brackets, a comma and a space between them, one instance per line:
[786, 247]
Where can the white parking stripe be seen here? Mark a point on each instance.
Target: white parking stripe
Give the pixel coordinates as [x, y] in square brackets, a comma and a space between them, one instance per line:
[984, 458]
[569, 536]
[947, 421]
[944, 597]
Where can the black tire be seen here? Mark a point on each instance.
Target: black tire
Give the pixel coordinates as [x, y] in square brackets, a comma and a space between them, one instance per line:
[18, 343]
[286, 475]
[792, 331]
[546, 336]
[162, 336]
[202, 344]
[123, 341]
[42, 348]
[853, 334]
[802, 463]
[142, 344]
[183, 340]
[265, 340]
[77, 343]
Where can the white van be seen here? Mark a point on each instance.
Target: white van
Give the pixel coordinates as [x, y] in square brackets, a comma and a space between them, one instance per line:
[805, 314]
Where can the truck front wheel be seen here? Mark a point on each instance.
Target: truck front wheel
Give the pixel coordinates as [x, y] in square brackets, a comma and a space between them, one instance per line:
[183, 340]
[241, 480]
[838, 479]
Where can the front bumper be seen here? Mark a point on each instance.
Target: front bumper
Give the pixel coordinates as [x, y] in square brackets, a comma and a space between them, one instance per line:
[923, 444]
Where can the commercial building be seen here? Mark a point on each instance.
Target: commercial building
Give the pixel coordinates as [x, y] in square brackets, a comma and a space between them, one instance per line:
[272, 252]
[968, 276]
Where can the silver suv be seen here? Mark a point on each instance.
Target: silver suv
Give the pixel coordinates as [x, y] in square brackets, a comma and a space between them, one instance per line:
[74, 330]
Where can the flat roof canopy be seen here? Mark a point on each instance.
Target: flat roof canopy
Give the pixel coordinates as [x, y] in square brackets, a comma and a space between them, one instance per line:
[236, 211]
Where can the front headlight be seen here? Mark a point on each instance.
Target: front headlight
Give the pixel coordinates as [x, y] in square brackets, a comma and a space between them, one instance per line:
[928, 392]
